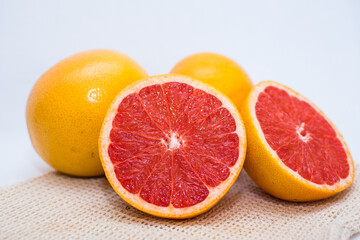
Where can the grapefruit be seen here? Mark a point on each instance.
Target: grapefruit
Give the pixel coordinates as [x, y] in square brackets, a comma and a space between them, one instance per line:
[172, 146]
[218, 71]
[294, 151]
[67, 106]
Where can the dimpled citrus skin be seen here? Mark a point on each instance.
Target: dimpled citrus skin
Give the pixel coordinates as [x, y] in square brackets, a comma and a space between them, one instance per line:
[218, 71]
[67, 106]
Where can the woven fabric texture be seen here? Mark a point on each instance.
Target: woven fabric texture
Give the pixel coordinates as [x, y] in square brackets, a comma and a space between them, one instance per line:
[55, 206]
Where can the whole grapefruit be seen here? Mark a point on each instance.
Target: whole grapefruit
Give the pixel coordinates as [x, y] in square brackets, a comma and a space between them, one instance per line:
[67, 106]
[218, 71]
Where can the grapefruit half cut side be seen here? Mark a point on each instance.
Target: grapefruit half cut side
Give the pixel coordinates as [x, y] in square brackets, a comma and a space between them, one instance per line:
[294, 151]
[172, 146]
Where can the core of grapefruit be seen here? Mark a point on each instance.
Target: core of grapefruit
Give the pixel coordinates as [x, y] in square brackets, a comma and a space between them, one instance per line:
[172, 146]
[294, 151]
[218, 71]
[67, 106]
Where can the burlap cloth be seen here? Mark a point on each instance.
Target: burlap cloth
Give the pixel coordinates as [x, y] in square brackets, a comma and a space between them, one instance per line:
[55, 206]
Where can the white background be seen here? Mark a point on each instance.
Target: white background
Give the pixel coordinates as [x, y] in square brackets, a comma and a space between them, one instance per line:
[311, 46]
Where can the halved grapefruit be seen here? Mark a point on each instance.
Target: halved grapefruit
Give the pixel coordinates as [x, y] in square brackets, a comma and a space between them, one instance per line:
[172, 146]
[294, 151]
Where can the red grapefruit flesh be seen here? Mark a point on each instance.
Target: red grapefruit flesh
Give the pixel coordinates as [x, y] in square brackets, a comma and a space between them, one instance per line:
[295, 152]
[172, 146]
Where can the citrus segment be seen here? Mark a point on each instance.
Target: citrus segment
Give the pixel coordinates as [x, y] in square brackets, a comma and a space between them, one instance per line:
[154, 103]
[157, 187]
[226, 152]
[297, 143]
[210, 170]
[188, 189]
[172, 146]
[132, 117]
[177, 96]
